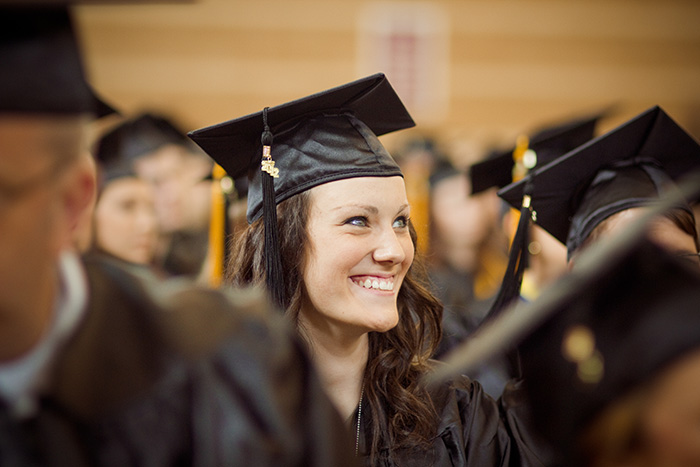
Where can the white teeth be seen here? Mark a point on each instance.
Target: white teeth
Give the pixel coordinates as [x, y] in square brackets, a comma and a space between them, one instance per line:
[376, 284]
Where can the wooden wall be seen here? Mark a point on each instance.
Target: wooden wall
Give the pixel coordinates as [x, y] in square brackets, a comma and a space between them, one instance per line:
[511, 65]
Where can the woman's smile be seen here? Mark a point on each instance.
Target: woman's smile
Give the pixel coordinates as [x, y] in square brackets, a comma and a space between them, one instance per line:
[375, 282]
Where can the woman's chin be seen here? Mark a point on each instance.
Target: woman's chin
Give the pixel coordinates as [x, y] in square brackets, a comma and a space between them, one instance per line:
[385, 322]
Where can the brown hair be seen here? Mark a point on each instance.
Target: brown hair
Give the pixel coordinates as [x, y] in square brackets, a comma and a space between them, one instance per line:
[397, 408]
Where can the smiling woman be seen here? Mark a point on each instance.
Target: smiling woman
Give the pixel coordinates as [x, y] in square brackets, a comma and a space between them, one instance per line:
[348, 277]
[358, 254]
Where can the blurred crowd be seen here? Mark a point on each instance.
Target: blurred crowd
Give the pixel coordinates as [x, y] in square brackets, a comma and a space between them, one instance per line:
[280, 288]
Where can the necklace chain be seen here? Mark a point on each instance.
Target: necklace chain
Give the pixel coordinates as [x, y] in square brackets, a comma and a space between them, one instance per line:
[359, 419]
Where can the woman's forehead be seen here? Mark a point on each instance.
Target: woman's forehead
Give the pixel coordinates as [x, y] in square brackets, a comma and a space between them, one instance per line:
[359, 189]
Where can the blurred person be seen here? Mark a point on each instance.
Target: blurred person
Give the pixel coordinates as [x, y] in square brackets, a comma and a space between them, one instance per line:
[468, 254]
[468, 247]
[471, 226]
[180, 176]
[547, 257]
[96, 366]
[417, 158]
[611, 357]
[330, 235]
[593, 192]
[124, 220]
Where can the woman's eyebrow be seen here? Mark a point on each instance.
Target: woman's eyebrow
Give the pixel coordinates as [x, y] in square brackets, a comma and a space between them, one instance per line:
[403, 207]
[365, 207]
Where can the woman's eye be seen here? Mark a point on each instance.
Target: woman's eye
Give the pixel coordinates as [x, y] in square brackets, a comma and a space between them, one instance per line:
[359, 221]
[401, 223]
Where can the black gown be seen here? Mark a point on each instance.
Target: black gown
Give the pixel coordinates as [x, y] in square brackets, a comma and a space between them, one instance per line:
[474, 430]
[177, 377]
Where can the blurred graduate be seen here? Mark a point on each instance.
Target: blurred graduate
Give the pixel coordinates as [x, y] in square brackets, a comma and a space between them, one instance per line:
[96, 366]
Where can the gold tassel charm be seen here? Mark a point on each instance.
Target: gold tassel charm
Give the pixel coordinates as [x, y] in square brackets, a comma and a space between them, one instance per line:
[268, 165]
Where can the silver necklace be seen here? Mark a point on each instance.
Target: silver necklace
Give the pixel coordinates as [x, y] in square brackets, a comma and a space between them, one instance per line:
[359, 419]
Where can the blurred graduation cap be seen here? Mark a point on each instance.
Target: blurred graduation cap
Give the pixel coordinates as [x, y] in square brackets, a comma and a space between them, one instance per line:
[111, 165]
[139, 136]
[102, 108]
[623, 313]
[544, 146]
[630, 166]
[42, 71]
[290, 148]
[627, 167]
[503, 168]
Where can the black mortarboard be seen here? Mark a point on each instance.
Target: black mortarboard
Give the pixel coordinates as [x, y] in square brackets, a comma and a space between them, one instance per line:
[623, 313]
[628, 167]
[101, 107]
[327, 136]
[331, 135]
[41, 66]
[42, 70]
[139, 136]
[111, 165]
[545, 145]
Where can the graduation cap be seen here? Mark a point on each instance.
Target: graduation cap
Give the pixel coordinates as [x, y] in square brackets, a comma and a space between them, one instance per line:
[627, 310]
[111, 165]
[627, 167]
[545, 145]
[42, 70]
[41, 66]
[101, 107]
[139, 136]
[290, 148]
[630, 166]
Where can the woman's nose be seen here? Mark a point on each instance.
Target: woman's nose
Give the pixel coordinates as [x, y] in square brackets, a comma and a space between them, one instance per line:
[389, 248]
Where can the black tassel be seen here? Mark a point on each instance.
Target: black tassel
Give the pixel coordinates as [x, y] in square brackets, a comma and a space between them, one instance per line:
[517, 259]
[273, 258]
[513, 277]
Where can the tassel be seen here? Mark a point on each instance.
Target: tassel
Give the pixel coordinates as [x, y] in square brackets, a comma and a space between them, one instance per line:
[517, 264]
[273, 258]
[217, 228]
[517, 259]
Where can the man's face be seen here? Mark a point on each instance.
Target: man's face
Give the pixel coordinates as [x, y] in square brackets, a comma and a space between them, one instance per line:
[182, 198]
[36, 153]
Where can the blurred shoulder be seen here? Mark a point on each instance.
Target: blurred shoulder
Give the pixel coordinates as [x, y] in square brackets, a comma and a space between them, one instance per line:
[193, 319]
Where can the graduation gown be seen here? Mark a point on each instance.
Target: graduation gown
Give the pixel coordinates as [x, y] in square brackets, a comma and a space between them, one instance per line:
[474, 430]
[180, 376]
